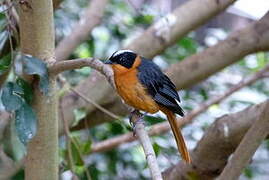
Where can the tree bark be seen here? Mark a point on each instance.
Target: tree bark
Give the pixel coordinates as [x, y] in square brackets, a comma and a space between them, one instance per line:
[37, 38]
[251, 141]
[250, 39]
[218, 143]
[182, 20]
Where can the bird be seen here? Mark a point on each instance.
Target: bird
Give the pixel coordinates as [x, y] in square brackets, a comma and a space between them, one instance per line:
[142, 85]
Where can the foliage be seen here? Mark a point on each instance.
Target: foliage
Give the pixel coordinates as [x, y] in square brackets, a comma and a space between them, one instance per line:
[17, 97]
[25, 118]
[5, 63]
[34, 66]
[25, 122]
[11, 98]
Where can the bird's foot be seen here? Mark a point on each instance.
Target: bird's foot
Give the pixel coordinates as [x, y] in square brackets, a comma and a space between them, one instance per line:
[135, 117]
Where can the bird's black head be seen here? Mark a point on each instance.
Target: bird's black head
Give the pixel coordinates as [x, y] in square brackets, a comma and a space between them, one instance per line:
[125, 58]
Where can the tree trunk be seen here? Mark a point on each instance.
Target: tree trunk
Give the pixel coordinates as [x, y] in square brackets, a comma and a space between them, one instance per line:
[37, 39]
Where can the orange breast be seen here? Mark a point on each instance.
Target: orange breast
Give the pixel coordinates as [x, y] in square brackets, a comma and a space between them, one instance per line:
[132, 91]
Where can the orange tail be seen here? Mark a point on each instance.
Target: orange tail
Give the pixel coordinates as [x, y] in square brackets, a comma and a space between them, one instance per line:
[182, 148]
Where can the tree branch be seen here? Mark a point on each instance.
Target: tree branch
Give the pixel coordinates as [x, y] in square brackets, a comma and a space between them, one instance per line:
[96, 64]
[66, 65]
[251, 39]
[144, 139]
[218, 143]
[251, 141]
[91, 18]
[182, 20]
[8, 167]
[164, 127]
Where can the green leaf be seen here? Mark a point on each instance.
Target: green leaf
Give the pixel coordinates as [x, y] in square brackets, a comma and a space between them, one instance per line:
[116, 128]
[19, 175]
[156, 148]
[25, 123]
[35, 66]
[153, 120]
[248, 172]
[76, 152]
[86, 147]
[79, 114]
[5, 63]
[189, 44]
[80, 169]
[2, 21]
[144, 19]
[203, 92]
[2, 16]
[27, 90]
[11, 96]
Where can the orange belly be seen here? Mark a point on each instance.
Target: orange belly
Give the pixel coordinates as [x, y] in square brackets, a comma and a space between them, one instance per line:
[133, 92]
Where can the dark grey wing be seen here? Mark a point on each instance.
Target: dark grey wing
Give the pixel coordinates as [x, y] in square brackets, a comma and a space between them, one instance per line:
[159, 86]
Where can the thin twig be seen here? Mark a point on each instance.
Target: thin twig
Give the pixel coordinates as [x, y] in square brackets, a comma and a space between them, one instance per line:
[111, 114]
[164, 126]
[15, 15]
[251, 141]
[70, 140]
[9, 6]
[88, 100]
[137, 9]
[12, 20]
[81, 157]
[146, 144]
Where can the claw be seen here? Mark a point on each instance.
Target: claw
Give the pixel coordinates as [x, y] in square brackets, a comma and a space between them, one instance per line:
[139, 119]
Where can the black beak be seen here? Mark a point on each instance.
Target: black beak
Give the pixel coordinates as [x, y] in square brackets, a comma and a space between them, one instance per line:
[108, 61]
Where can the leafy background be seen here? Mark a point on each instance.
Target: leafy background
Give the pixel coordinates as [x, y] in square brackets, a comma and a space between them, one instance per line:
[120, 25]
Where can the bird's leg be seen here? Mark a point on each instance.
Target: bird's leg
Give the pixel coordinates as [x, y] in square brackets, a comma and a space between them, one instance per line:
[132, 113]
[134, 118]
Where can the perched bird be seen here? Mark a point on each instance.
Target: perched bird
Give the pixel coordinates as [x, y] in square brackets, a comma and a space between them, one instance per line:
[142, 85]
